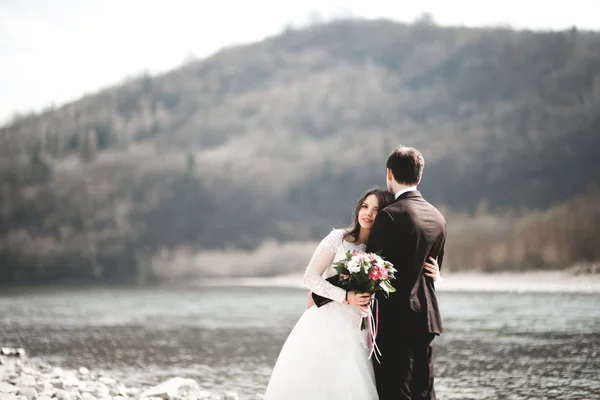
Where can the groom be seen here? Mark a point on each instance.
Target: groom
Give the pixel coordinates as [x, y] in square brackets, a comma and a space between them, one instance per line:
[407, 233]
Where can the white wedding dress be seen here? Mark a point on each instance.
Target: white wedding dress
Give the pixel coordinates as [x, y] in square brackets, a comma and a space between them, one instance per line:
[325, 357]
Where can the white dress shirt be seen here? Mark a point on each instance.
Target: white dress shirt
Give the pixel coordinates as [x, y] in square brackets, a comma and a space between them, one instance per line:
[408, 189]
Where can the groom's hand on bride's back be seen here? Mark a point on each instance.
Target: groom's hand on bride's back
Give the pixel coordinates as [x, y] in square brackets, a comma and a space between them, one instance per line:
[432, 269]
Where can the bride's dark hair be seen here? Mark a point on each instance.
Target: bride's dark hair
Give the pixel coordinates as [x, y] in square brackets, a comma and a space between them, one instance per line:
[384, 198]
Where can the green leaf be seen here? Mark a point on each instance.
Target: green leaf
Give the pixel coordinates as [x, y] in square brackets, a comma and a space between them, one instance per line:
[387, 286]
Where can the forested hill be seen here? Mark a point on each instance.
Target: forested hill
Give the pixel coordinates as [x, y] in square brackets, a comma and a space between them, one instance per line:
[278, 138]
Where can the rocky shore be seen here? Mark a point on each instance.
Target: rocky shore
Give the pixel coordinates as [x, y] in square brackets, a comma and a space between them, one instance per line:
[28, 379]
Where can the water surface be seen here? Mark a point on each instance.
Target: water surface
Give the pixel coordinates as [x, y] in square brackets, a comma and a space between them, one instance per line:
[496, 345]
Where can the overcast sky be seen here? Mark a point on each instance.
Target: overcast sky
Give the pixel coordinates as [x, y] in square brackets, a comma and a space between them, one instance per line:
[54, 51]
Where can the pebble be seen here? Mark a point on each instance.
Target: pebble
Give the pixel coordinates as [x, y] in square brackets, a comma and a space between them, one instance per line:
[28, 392]
[231, 396]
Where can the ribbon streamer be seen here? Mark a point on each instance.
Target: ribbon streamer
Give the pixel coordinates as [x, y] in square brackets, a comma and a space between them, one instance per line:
[372, 326]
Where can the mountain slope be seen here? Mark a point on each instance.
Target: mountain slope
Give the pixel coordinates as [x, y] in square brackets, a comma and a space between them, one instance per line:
[279, 138]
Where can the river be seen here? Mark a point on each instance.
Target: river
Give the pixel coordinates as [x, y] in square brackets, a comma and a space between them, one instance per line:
[497, 345]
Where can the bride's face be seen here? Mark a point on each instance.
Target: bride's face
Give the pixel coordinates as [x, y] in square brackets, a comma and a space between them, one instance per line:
[368, 211]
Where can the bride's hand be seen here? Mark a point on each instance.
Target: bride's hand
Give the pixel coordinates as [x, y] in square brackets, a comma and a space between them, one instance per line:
[359, 299]
[433, 269]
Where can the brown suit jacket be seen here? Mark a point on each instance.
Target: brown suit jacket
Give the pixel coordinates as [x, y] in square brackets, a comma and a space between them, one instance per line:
[406, 233]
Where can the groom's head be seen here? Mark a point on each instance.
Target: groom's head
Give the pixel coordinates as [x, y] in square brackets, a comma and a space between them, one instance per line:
[404, 168]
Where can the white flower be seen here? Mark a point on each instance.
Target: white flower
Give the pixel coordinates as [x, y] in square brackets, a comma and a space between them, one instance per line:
[379, 260]
[390, 267]
[353, 266]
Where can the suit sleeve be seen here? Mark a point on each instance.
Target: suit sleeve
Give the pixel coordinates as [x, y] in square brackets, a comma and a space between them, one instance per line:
[437, 251]
[380, 233]
[440, 257]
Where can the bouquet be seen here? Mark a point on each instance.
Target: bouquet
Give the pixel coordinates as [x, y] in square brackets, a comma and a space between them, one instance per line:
[366, 273]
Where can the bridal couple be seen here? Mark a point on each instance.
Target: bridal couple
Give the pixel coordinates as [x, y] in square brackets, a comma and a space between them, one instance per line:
[326, 356]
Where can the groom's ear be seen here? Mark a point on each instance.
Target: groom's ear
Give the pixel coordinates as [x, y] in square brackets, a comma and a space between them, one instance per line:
[390, 175]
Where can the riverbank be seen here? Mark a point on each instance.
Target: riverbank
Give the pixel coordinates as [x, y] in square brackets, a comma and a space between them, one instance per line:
[530, 281]
[28, 379]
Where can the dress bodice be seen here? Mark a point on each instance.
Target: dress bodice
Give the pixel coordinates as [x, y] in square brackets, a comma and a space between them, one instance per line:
[340, 253]
[331, 249]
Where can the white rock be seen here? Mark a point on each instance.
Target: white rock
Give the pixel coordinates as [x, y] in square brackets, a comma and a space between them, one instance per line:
[8, 388]
[204, 395]
[231, 396]
[67, 381]
[103, 396]
[118, 390]
[89, 386]
[39, 387]
[107, 380]
[29, 371]
[9, 351]
[12, 378]
[95, 389]
[28, 392]
[45, 387]
[62, 395]
[57, 383]
[172, 388]
[84, 371]
[44, 397]
[25, 380]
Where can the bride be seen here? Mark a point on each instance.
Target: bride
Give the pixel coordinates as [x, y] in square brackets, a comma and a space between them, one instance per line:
[325, 357]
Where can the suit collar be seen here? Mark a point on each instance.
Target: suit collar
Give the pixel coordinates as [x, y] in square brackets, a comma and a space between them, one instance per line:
[413, 194]
[406, 189]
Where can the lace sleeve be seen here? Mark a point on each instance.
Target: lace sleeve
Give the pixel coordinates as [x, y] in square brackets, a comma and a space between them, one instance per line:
[320, 261]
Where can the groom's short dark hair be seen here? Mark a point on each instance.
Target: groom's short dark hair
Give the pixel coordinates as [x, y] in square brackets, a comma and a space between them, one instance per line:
[406, 164]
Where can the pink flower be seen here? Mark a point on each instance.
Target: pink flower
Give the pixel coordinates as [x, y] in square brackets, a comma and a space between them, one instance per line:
[383, 274]
[374, 274]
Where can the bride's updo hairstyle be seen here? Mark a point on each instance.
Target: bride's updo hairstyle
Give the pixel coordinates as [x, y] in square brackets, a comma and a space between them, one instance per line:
[384, 198]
